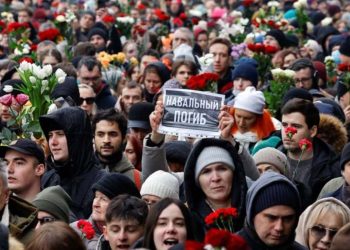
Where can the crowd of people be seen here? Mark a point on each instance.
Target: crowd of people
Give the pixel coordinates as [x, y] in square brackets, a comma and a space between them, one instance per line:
[95, 172]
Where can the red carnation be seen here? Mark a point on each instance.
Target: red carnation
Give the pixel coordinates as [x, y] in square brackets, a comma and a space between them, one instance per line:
[259, 47]
[343, 67]
[108, 19]
[270, 49]
[183, 16]
[193, 245]
[141, 6]
[247, 3]
[236, 242]
[305, 144]
[178, 22]
[86, 228]
[14, 26]
[161, 15]
[217, 238]
[49, 34]
[290, 131]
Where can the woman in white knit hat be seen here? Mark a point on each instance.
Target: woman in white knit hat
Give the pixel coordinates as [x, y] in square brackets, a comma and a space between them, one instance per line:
[252, 121]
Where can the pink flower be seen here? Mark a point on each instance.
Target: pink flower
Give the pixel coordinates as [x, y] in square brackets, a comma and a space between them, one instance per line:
[22, 99]
[6, 100]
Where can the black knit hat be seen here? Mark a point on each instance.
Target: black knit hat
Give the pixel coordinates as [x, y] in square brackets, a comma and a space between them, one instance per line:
[25, 146]
[345, 47]
[279, 36]
[345, 156]
[14, 83]
[138, 116]
[177, 151]
[247, 71]
[296, 93]
[69, 88]
[115, 184]
[55, 201]
[97, 31]
[275, 194]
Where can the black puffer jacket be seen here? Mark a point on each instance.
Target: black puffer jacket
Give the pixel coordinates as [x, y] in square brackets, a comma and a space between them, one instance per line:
[195, 197]
[78, 174]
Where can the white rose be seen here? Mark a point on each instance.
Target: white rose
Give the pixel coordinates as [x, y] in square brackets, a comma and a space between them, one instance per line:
[32, 79]
[60, 73]
[297, 5]
[276, 72]
[326, 21]
[60, 18]
[47, 69]
[289, 73]
[8, 88]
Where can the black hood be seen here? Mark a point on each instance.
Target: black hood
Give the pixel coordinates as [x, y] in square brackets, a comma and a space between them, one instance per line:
[194, 195]
[77, 128]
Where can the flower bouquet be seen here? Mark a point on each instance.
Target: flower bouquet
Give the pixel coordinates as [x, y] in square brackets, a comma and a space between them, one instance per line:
[282, 81]
[344, 77]
[331, 68]
[124, 25]
[204, 82]
[222, 219]
[302, 18]
[86, 229]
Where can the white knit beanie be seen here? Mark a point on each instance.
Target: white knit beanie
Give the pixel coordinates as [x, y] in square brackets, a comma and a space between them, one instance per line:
[250, 100]
[274, 157]
[161, 184]
[210, 155]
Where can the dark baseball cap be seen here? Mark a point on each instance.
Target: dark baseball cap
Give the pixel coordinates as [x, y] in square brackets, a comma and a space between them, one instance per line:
[25, 146]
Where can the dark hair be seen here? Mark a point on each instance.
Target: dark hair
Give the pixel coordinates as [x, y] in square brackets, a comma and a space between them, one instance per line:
[306, 108]
[223, 41]
[150, 52]
[67, 67]
[304, 63]
[154, 214]
[134, 85]
[50, 52]
[56, 235]
[88, 13]
[84, 49]
[90, 63]
[127, 207]
[178, 63]
[110, 115]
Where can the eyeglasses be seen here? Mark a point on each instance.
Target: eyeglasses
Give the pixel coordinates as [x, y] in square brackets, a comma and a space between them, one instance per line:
[88, 100]
[302, 80]
[319, 232]
[46, 219]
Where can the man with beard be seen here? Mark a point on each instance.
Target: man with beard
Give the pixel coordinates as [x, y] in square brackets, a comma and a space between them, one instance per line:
[109, 128]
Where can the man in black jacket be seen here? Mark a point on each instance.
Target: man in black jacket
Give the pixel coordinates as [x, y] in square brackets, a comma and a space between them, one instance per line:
[72, 162]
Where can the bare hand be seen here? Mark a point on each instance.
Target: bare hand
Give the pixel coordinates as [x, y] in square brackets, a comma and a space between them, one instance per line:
[155, 119]
[226, 122]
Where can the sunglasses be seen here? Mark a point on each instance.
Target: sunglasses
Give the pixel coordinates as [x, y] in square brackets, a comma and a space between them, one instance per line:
[46, 219]
[319, 232]
[88, 100]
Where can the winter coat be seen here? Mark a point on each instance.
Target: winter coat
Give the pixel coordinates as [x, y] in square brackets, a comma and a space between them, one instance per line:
[102, 244]
[331, 187]
[195, 197]
[302, 234]
[21, 218]
[226, 83]
[92, 243]
[77, 175]
[248, 232]
[104, 98]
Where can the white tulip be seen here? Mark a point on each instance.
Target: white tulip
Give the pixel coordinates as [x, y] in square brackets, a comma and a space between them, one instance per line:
[303, 3]
[60, 19]
[61, 79]
[60, 73]
[25, 66]
[8, 88]
[38, 72]
[45, 82]
[47, 69]
[297, 5]
[17, 52]
[32, 79]
[326, 21]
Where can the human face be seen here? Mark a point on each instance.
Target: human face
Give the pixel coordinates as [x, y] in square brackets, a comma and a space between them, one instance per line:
[23, 171]
[241, 83]
[85, 94]
[99, 207]
[58, 145]
[303, 78]
[145, 60]
[50, 60]
[317, 239]
[202, 41]
[122, 234]
[140, 133]
[297, 121]
[244, 120]
[288, 60]
[183, 73]
[130, 97]
[215, 181]
[180, 38]
[130, 153]
[23, 17]
[86, 22]
[222, 59]
[170, 229]
[267, 167]
[108, 138]
[346, 172]
[131, 50]
[4, 194]
[98, 41]
[5, 111]
[150, 199]
[44, 217]
[275, 225]
[152, 82]
[271, 41]
[91, 78]
[135, 74]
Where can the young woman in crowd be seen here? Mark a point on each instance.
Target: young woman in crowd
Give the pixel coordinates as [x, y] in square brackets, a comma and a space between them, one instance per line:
[182, 70]
[133, 151]
[320, 222]
[51, 56]
[168, 224]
